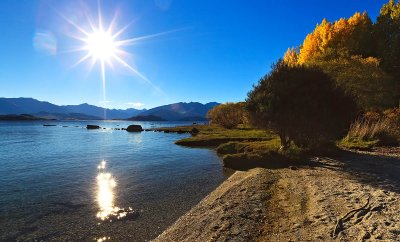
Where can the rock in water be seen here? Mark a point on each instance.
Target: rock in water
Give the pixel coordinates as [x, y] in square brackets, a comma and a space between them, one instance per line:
[91, 126]
[134, 128]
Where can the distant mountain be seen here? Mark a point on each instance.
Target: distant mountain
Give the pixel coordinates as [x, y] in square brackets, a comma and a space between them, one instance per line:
[28, 106]
[46, 109]
[192, 111]
[99, 112]
[181, 111]
[146, 118]
[65, 116]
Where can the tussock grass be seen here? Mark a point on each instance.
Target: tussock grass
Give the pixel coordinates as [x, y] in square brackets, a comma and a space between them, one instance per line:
[368, 130]
[374, 130]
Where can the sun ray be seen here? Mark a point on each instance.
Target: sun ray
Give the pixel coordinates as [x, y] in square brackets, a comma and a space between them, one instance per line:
[103, 77]
[145, 37]
[112, 24]
[100, 20]
[123, 29]
[138, 74]
[87, 56]
[73, 24]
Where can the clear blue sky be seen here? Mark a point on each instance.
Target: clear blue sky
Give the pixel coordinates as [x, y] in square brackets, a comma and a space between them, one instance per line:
[220, 48]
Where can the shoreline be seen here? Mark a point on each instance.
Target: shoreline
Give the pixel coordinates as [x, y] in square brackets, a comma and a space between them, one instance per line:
[353, 196]
[231, 211]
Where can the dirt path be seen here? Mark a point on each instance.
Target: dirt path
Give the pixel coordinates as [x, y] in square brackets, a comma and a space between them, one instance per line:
[355, 197]
[326, 204]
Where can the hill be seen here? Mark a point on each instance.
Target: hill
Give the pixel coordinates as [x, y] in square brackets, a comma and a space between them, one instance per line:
[181, 111]
[99, 111]
[45, 109]
[28, 106]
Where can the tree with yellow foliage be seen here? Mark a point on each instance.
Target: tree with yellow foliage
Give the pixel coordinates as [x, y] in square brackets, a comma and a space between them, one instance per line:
[316, 43]
[228, 115]
[363, 58]
[291, 57]
[372, 88]
[344, 37]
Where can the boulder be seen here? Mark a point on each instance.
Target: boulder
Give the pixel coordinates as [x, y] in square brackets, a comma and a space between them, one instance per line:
[91, 126]
[134, 128]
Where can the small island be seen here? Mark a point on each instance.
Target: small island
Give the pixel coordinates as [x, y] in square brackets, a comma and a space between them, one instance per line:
[19, 117]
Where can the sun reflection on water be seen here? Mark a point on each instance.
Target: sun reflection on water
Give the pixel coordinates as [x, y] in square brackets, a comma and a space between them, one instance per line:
[105, 196]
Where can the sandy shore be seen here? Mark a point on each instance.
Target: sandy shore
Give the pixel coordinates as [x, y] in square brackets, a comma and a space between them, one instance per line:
[354, 197]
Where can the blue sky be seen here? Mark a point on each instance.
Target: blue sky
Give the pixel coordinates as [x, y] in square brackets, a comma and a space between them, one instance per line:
[215, 50]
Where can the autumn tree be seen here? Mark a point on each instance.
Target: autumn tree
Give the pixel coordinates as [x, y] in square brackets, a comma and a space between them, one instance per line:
[291, 57]
[387, 33]
[228, 115]
[372, 87]
[302, 105]
[363, 58]
[342, 38]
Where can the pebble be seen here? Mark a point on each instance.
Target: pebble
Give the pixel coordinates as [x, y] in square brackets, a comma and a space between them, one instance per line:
[296, 226]
[216, 227]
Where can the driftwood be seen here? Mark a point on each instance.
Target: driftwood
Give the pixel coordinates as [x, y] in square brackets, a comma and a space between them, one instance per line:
[339, 223]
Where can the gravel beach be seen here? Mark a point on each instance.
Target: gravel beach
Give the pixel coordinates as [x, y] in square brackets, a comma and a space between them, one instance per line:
[352, 197]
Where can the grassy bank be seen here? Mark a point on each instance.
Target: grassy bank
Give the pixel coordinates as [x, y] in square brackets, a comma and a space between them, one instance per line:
[212, 136]
[372, 130]
[241, 148]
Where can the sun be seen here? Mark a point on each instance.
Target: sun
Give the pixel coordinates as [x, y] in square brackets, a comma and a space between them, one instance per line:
[101, 45]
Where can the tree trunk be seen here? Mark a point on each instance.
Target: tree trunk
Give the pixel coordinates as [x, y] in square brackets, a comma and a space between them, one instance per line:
[285, 141]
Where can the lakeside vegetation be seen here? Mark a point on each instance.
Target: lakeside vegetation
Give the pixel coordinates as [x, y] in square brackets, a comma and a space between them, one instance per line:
[340, 88]
[242, 147]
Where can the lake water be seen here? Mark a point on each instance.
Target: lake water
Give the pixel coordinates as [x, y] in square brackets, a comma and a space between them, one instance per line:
[70, 183]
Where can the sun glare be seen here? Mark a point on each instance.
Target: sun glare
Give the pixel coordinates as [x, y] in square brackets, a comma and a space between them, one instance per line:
[101, 45]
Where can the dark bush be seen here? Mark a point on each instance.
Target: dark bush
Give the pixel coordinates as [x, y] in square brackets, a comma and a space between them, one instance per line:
[302, 104]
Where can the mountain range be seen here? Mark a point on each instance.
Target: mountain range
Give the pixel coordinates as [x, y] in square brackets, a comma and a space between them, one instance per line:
[192, 111]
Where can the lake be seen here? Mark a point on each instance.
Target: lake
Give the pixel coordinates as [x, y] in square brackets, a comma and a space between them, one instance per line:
[70, 183]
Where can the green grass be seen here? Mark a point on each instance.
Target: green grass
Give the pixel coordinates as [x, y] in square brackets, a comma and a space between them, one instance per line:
[212, 136]
[357, 143]
[241, 148]
[267, 153]
[234, 147]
